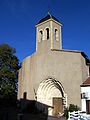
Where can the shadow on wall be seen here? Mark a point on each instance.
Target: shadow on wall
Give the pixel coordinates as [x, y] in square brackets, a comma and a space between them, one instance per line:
[23, 110]
[32, 106]
[31, 109]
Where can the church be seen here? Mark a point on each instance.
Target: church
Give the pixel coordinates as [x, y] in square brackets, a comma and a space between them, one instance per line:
[52, 75]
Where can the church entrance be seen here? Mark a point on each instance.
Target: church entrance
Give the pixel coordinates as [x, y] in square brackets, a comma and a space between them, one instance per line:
[57, 106]
[51, 93]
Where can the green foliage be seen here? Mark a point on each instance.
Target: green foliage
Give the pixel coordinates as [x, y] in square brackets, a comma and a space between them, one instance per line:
[9, 65]
[71, 108]
[66, 113]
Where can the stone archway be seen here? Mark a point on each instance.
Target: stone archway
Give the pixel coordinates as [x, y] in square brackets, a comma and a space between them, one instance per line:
[51, 93]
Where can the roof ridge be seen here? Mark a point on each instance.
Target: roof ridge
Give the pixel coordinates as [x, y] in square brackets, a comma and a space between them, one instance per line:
[47, 17]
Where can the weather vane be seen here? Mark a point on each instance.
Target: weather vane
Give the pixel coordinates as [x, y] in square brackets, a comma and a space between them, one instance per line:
[49, 10]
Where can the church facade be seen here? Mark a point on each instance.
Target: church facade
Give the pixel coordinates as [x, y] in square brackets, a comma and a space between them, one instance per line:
[52, 75]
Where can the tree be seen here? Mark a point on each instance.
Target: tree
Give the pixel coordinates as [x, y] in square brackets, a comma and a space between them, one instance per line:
[9, 66]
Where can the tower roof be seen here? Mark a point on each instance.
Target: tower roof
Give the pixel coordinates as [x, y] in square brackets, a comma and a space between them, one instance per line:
[49, 16]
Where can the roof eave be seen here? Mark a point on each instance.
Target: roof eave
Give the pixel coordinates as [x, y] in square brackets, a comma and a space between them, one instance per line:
[85, 85]
[86, 58]
[51, 19]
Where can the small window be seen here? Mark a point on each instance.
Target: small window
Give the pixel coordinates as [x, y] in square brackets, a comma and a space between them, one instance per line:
[47, 33]
[24, 95]
[41, 35]
[56, 34]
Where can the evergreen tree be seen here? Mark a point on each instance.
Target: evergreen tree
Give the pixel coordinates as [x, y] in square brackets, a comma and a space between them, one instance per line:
[9, 66]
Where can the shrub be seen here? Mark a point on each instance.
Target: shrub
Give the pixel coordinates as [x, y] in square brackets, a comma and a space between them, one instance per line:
[71, 108]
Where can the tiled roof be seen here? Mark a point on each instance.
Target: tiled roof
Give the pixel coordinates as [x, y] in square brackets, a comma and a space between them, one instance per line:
[49, 16]
[87, 81]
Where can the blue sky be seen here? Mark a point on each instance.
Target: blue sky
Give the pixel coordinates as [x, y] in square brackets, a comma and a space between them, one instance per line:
[18, 19]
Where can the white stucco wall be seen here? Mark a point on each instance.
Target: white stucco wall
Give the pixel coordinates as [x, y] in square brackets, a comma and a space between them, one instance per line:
[85, 90]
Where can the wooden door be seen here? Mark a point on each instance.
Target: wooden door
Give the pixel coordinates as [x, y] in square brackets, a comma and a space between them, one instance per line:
[88, 106]
[57, 106]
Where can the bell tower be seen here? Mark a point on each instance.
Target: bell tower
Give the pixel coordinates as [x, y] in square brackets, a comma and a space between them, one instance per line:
[48, 33]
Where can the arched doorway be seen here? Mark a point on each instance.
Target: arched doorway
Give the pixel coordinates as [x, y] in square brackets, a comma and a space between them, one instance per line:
[51, 93]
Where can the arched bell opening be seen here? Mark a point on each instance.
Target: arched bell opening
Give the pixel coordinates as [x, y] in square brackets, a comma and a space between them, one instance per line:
[40, 35]
[47, 33]
[56, 35]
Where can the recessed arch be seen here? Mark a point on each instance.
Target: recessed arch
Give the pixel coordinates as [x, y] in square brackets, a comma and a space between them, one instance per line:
[48, 89]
